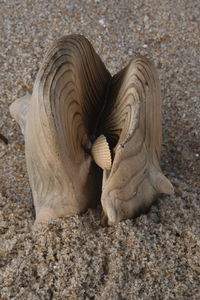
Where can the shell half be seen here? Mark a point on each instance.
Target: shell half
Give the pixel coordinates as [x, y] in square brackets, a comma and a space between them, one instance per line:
[101, 153]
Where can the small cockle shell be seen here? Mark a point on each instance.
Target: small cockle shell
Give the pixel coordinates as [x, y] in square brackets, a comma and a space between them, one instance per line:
[101, 153]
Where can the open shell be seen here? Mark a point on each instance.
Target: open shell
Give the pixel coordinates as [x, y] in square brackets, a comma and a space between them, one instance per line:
[74, 99]
[101, 153]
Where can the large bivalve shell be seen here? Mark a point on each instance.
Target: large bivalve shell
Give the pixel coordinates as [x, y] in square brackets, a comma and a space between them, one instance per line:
[101, 153]
[74, 99]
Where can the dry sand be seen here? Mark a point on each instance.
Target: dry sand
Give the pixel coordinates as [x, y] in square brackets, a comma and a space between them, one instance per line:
[155, 256]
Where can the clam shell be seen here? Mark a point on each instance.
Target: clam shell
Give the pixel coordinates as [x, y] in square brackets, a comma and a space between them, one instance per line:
[101, 153]
[74, 96]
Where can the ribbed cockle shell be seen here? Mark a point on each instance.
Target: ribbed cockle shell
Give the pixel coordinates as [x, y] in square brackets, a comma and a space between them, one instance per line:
[101, 153]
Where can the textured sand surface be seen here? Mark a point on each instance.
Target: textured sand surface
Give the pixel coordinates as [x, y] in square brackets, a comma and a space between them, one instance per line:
[155, 256]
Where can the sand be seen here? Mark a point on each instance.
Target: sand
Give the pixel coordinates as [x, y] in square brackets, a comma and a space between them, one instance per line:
[155, 256]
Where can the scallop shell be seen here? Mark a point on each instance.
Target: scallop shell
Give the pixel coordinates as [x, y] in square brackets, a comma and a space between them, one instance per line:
[101, 153]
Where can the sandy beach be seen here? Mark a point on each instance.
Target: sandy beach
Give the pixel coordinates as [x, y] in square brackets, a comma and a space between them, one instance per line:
[157, 255]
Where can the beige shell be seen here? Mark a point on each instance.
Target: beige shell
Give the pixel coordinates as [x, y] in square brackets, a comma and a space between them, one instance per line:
[101, 153]
[57, 121]
[75, 97]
